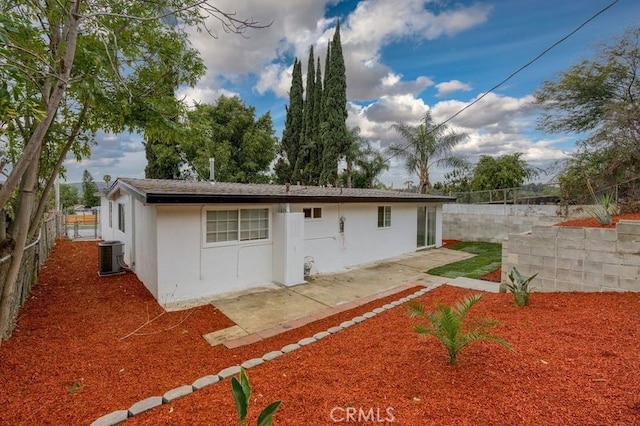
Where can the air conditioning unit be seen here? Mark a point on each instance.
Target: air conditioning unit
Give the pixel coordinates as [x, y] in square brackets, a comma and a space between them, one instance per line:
[111, 258]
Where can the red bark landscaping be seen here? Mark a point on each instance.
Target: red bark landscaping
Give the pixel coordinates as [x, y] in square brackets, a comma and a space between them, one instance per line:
[495, 276]
[449, 243]
[590, 222]
[575, 360]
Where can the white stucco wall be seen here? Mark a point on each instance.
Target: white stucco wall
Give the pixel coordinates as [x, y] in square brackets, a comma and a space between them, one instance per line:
[190, 270]
[362, 241]
[144, 259]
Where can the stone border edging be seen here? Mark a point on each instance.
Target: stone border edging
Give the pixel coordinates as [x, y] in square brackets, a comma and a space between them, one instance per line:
[146, 404]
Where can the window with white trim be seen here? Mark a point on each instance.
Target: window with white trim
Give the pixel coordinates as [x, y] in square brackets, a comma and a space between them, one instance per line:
[121, 217]
[312, 212]
[237, 225]
[110, 214]
[384, 216]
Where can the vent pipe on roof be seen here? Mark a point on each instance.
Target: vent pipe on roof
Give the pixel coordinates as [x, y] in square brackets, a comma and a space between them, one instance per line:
[212, 170]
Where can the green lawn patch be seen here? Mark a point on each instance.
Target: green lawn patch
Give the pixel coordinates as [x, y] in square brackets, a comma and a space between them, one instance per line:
[488, 258]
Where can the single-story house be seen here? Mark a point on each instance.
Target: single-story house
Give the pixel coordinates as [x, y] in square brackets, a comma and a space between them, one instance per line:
[188, 241]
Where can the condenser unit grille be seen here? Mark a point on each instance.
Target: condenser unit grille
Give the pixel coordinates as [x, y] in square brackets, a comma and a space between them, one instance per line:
[110, 258]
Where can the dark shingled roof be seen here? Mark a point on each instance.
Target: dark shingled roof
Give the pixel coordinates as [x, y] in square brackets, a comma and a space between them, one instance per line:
[157, 191]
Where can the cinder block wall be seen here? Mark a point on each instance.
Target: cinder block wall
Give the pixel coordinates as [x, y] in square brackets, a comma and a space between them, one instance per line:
[494, 222]
[576, 259]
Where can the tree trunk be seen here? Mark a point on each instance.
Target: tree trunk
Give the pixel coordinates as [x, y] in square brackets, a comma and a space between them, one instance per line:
[52, 104]
[25, 203]
[349, 171]
[37, 218]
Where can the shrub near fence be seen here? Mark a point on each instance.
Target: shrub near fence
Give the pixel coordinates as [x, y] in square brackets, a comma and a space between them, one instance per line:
[35, 254]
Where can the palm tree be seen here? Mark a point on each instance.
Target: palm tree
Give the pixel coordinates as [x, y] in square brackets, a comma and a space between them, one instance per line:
[426, 145]
[353, 151]
[371, 164]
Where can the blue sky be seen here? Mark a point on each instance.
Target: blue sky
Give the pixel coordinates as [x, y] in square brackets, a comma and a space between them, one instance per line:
[403, 58]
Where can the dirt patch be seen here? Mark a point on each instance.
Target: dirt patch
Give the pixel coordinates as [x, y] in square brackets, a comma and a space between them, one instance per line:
[593, 223]
[83, 348]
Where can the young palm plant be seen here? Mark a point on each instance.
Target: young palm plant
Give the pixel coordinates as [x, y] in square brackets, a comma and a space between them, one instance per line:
[447, 324]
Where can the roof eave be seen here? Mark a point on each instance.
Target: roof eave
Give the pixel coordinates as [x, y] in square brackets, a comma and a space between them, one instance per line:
[160, 198]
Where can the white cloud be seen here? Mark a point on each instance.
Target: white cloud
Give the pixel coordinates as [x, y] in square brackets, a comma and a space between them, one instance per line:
[276, 78]
[451, 86]
[203, 94]
[371, 26]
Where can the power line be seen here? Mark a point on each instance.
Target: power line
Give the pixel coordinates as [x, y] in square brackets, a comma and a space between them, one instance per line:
[513, 74]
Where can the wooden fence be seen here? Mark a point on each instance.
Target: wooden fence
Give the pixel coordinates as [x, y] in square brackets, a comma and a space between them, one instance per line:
[35, 254]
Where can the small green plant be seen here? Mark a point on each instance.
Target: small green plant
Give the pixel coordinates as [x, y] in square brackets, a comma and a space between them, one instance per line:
[75, 386]
[603, 211]
[520, 287]
[605, 206]
[447, 324]
[241, 390]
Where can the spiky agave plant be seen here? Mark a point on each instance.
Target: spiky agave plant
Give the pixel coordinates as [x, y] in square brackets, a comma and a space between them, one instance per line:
[447, 324]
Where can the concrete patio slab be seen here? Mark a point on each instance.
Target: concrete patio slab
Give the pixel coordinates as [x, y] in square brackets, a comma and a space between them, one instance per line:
[257, 311]
[223, 335]
[277, 309]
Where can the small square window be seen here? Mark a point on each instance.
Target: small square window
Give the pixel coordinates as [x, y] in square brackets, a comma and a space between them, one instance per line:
[384, 216]
[312, 213]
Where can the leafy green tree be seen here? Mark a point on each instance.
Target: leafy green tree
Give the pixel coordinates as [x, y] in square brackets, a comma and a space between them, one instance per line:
[458, 180]
[426, 145]
[599, 98]
[333, 128]
[163, 159]
[506, 171]
[292, 128]
[69, 195]
[243, 147]
[89, 190]
[71, 68]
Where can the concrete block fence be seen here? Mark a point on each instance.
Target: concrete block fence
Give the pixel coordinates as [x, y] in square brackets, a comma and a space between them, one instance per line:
[494, 222]
[576, 259]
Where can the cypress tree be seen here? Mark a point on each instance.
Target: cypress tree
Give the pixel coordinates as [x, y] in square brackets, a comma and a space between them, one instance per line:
[306, 138]
[334, 128]
[292, 127]
[316, 147]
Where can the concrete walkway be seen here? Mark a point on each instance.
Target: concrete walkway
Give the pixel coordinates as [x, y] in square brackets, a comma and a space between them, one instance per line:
[265, 312]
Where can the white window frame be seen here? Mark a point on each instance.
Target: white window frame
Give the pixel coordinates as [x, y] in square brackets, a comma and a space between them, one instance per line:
[315, 213]
[121, 218]
[386, 217]
[111, 214]
[244, 225]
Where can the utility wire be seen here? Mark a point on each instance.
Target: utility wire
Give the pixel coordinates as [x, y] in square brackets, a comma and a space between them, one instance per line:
[513, 74]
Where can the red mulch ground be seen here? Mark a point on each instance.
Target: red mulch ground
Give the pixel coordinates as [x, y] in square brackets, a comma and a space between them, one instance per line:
[593, 223]
[449, 243]
[576, 360]
[69, 335]
[495, 276]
